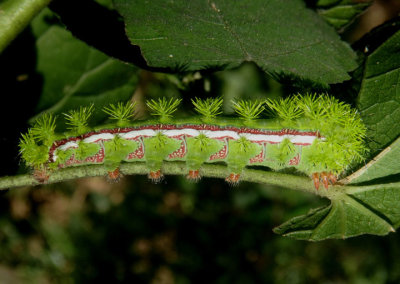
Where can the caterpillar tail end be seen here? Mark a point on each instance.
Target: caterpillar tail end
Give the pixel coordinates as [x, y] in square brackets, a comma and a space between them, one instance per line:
[325, 178]
[193, 175]
[155, 176]
[233, 179]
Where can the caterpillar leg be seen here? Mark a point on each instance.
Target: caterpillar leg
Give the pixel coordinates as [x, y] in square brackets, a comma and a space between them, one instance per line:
[315, 178]
[157, 149]
[233, 179]
[114, 176]
[41, 175]
[193, 175]
[155, 176]
[239, 155]
[332, 178]
[325, 178]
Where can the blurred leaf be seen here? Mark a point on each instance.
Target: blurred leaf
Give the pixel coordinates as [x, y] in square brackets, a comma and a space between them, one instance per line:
[301, 227]
[15, 15]
[246, 82]
[286, 40]
[379, 95]
[362, 210]
[340, 13]
[106, 3]
[75, 74]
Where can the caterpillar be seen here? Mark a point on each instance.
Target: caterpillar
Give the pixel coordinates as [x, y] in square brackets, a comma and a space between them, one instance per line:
[316, 134]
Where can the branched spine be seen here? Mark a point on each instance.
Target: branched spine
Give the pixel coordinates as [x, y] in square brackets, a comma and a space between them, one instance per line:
[286, 109]
[34, 155]
[248, 110]
[163, 108]
[121, 112]
[244, 143]
[43, 129]
[209, 108]
[78, 119]
[203, 141]
[312, 105]
[26, 143]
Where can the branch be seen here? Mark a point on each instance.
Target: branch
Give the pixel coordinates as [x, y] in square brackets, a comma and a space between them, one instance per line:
[177, 168]
[15, 15]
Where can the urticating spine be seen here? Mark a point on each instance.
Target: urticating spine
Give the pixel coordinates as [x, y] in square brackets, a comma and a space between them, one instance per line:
[316, 134]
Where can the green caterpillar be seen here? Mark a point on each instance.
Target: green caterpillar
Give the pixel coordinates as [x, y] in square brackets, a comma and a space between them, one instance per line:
[316, 134]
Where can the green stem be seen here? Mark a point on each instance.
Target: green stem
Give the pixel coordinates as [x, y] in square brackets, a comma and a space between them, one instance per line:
[15, 15]
[177, 168]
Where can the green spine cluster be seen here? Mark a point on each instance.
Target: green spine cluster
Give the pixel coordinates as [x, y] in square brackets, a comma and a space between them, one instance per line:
[339, 124]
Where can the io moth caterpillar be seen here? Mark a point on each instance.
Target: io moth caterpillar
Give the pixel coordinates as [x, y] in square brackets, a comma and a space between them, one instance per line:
[316, 134]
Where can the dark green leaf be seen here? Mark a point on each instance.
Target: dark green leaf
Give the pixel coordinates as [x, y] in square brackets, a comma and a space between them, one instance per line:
[340, 13]
[75, 74]
[15, 15]
[383, 165]
[106, 3]
[301, 227]
[284, 39]
[382, 199]
[380, 96]
[362, 210]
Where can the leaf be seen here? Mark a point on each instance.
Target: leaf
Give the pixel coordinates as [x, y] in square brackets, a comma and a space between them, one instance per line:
[339, 13]
[382, 199]
[300, 227]
[361, 210]
[383, 165]
[285, 40]
[15, 15]
[75, 74]
[380, 96]
[106, 3]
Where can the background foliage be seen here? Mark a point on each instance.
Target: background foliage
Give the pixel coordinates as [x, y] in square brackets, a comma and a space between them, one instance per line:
[90, 230]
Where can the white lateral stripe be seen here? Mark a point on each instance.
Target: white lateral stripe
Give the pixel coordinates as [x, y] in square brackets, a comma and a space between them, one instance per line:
[70, 144]
[303, 139]
[65, 147]
[96, 137]
[295, 139]
[178, 132]
[136, 133]
[213, 134]
[221, 133]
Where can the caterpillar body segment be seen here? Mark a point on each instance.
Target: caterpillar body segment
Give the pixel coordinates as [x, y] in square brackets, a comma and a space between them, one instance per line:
[318, 142]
